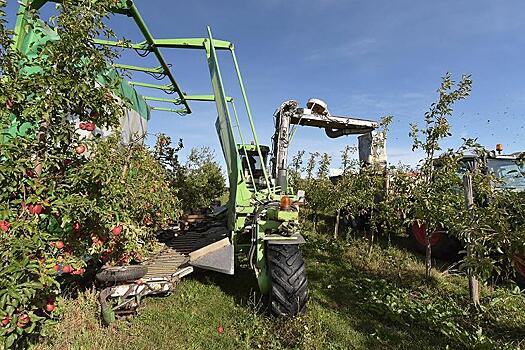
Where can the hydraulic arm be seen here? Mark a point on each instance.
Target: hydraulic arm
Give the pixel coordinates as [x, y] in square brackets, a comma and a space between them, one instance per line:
[315, 114]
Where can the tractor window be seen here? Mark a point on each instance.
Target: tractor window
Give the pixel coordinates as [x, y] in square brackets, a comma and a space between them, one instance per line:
[253, 162]
[509, 171]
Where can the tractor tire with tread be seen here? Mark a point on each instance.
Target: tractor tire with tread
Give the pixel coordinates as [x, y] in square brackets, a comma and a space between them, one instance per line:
[289, 290]
[121, 273]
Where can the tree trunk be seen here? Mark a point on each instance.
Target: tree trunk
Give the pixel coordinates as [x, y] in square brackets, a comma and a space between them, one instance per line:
[371, 246]
[469, 202]
[428, 253]
[336, 228]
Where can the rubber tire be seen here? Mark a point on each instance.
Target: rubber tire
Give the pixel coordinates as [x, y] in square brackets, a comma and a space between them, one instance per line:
[519, 278]
[447, 248]
[289, 284]
[122, 273]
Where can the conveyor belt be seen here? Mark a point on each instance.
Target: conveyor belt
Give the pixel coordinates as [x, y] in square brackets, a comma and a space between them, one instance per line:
[177, 247]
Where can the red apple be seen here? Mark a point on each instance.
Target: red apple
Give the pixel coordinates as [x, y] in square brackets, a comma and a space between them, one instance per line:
[79, 271]
[80, 149]
[4, 226]
[82, 126]
[23, 320]
[67, 269]
[6, 320]
[35, 209]
[76, 226]
[220, 329]
[50, 306]
[90, 126]
[59, 244]
[117, 230]
[56, 267]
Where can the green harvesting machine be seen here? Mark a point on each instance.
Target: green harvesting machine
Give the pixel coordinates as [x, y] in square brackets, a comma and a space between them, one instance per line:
[260, 218]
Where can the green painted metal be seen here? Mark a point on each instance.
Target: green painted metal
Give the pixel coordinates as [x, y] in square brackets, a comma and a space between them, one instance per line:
[249, 113]
[149, 38]
[167, 87]
[224, 128]
[124, 44]
[162, 99]
[243, 142]
[156, 70]
[206, 98]
[171, 110]
[282, 215]
[192, 43]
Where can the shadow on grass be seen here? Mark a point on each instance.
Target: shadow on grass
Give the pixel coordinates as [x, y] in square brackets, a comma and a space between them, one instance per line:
[334, 270]
[242, 286]
[332, 280]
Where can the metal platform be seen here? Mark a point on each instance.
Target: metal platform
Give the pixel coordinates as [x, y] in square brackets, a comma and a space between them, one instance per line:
[177, 247]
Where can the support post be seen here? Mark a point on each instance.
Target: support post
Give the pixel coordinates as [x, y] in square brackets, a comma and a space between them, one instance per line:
[336, 228]
[469, 202]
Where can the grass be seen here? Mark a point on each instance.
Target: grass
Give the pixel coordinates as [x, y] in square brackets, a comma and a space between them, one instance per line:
[358, 300]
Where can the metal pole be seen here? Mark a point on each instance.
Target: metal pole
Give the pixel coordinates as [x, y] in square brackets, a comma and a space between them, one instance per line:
[469, 203]
[151, 42]
[243, 143]
[250, 119]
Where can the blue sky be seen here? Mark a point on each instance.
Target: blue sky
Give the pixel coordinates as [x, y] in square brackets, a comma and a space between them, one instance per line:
[364, 58]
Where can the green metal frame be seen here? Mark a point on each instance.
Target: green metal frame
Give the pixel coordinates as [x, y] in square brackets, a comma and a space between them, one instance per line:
[243, 200]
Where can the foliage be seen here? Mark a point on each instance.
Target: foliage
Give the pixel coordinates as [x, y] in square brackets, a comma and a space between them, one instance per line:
[199, 181]
[67, 199]
[389, 200]
[435, 200]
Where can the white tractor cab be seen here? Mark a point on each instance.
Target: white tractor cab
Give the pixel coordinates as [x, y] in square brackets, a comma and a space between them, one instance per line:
[509, 170]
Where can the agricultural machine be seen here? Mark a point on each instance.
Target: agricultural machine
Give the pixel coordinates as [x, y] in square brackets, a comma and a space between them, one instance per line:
[260, 217]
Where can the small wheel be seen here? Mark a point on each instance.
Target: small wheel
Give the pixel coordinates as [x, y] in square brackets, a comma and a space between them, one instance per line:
[121, 273]
[289, 291]
[443, 246]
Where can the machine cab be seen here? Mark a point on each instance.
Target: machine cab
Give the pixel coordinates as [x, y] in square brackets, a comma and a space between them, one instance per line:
[252, 166]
